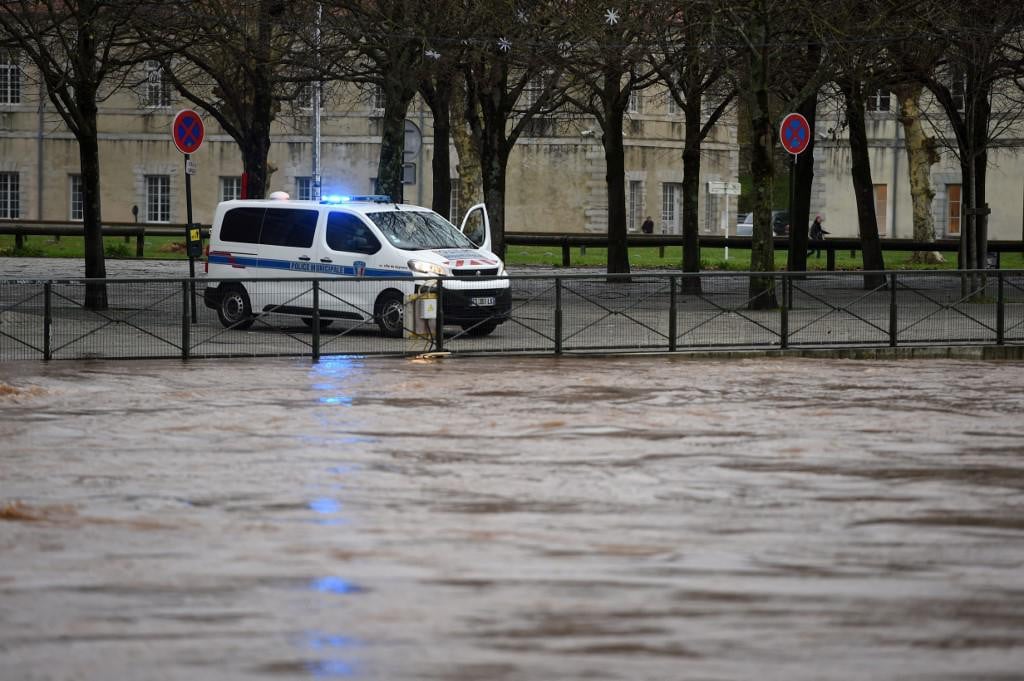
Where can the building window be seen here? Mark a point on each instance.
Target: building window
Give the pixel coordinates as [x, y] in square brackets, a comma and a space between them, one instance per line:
[378, 97]
[77, 208]
[957, 90]
[636, 205]
[636, 104]
[10, 79]
[158, 198]
[453, 202]
[304, 98]
[10, 196]
[673, 107]
[953, 199]
[879, 100]
[230, 188]
[304, 188]
[882, 208]
[158, 88]
[670, 193]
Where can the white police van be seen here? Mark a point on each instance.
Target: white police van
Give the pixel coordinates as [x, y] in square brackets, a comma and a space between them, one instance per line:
[381, 249]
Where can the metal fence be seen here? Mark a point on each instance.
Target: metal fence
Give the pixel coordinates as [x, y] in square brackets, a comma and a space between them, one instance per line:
[572, 313]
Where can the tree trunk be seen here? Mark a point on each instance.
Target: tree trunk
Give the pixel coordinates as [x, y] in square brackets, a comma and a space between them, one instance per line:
[255, 149]
[441, 163]
[470, 177]
[762, 289]
[863, 186]
[615, 179]
[92, 219]
[922, 154]
[691, 193]
[392, 145]
[494, 165]
[800, 211]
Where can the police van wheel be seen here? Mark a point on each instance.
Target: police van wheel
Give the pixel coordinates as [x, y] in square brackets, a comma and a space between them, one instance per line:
[480, 330]
[324, 323]
[389, 313]
[234, 310]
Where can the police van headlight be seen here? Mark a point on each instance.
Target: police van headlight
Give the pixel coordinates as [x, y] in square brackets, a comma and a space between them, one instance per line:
[424, 267]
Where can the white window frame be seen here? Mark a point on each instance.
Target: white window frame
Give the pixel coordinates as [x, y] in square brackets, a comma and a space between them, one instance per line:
[10, 78]
[304, 188]
[636, 102]
[879, 101]
[10, 196]
[76, 198]
[158, 199]
[158, 88]
[670, 194]
[230, 187]
[453, 201]
[636, 205]
[958, 90]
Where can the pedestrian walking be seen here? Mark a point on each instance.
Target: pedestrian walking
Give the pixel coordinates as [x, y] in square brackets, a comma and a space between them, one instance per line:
[817, 233]
[648, 226]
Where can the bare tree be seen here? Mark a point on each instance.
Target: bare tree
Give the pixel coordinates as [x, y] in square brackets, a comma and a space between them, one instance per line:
[693, 66]
[982, 61]
[238, 60]
[610, 64]
[511, 50]
[82, 51]
[382, 44]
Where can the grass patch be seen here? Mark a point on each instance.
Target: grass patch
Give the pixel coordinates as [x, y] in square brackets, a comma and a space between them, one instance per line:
[669, 258]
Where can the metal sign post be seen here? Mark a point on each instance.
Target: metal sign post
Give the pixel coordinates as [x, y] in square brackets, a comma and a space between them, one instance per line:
[188, 131]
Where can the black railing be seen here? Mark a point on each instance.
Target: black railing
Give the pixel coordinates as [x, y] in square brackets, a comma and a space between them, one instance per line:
[572, 313]
[567, 242]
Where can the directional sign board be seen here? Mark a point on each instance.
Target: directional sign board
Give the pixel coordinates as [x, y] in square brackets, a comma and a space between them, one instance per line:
[717, 187]
[188, 131]
[795, 133]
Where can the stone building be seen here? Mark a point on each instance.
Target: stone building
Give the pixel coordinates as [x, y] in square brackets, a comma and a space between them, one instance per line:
[556, 180]
[833, 196]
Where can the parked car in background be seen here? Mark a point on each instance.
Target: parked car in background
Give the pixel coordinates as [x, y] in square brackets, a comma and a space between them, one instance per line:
[780, 224]
[745, 226]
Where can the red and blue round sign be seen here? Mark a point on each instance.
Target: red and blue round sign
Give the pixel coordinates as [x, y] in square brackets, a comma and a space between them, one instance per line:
[188, 131]
[795, 133]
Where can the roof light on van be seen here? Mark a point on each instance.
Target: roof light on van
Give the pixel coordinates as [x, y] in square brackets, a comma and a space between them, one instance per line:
[278, 196]
[367, 198]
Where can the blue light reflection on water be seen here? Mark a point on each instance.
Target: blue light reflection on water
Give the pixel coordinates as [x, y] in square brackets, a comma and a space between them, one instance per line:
[328, 643]
[330, 380]
[330, 374]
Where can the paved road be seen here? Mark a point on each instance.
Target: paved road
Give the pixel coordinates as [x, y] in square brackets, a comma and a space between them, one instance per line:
[828, 309]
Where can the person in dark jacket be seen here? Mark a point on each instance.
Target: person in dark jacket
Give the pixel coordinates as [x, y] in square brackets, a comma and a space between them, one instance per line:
[648, 226]
[817, 233]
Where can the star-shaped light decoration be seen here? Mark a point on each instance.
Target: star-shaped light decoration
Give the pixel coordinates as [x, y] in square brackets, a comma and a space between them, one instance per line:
[611, 16]
[521, 16]
[432, 54]
[504, 44]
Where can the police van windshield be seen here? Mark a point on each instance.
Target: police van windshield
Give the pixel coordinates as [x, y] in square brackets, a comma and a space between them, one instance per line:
[419, 230]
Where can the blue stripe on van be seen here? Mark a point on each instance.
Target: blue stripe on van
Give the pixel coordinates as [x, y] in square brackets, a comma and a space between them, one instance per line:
[301, 266]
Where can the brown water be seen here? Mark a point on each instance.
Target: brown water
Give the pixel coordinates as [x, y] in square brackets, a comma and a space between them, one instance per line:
[503, 518]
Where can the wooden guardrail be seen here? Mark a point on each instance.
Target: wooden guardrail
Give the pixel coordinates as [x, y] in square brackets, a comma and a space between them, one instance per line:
[569, 241]
[566, 242]
[24, 228]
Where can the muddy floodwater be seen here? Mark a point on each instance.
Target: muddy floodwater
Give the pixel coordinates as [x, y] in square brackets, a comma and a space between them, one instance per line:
[506, 518]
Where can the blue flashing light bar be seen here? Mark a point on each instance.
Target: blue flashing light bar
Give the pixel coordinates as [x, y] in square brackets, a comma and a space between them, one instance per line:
[367, 198]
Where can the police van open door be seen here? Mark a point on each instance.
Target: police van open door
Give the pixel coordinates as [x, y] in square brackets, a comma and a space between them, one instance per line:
[477, 226]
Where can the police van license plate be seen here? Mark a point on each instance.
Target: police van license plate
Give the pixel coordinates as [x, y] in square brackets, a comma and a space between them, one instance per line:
[483, 302]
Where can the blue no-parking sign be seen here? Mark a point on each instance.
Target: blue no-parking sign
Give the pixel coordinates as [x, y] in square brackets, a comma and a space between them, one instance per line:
[795, 133]
[188, 131]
